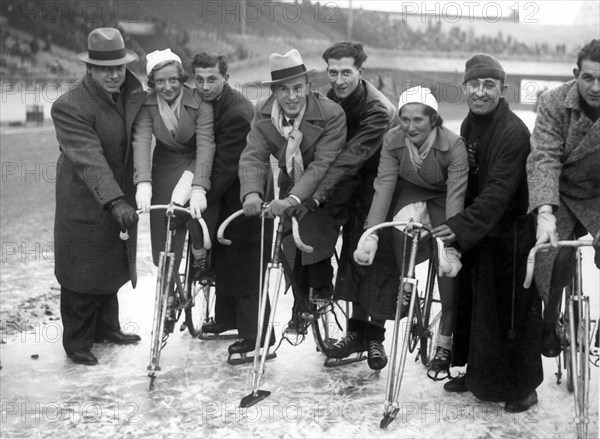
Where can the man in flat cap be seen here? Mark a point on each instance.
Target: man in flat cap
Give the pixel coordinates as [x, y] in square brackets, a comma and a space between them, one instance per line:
[564, 182]
[95, 195]
[499, 322]
[304, 131]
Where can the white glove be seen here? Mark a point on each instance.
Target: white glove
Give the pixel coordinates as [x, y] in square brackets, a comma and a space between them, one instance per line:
[364, 255]
[449, 260]
[546, 227]
[183, 189]
[143, 196]
[198, 201]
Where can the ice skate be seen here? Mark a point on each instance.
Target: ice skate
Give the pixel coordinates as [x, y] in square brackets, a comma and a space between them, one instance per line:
[242, 351]
[376, 357]
[212, 330]
[439, 366]
[341, 353]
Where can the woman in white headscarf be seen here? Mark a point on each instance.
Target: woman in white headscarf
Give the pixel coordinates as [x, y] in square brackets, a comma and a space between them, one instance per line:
[429, 163]
[180, 168]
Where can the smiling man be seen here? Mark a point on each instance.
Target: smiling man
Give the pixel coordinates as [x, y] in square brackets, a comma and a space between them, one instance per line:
[499, 322]
[236, 267]
[346, 192]
[305, 132]
[564, 182]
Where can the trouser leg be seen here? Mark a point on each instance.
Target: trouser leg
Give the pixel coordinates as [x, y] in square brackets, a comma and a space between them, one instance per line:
[107, 320]
[227, 310]
[78, 313]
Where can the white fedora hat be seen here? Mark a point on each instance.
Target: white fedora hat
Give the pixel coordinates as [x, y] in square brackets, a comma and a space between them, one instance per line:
[286, 66]
[107, 48]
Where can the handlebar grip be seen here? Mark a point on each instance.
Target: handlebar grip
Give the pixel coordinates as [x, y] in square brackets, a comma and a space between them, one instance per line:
[223, 226]
[296, 234]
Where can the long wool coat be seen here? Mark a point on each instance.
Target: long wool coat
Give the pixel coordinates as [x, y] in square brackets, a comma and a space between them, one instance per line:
[499, 325]
[562, 170]
[95, 167]
[324, 136]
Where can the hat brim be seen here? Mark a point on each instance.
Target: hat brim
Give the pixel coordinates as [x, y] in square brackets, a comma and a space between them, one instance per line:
[297, 75]
[129, 57]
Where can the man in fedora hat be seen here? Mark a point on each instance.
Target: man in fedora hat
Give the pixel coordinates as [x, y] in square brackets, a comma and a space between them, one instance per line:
[498, 322]
[304, 131]
[95, 195]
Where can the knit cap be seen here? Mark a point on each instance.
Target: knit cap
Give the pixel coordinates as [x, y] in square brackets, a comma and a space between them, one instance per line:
[483, 65]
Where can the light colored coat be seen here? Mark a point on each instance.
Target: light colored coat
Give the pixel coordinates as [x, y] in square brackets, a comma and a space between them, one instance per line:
[563, 169]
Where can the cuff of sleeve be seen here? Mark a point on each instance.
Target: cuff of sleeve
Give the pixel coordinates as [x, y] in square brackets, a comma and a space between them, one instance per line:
[295, 198]
[198, 189]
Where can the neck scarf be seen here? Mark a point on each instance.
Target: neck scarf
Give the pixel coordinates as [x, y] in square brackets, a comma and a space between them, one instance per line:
[417, 155]
[170, 113]
[293, 157]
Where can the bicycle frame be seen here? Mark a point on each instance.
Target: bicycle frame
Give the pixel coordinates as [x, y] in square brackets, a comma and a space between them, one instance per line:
[578, 350]
[408, 284]
[166, 267]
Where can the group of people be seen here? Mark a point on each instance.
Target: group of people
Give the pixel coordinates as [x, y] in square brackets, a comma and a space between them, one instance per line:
[347, 161]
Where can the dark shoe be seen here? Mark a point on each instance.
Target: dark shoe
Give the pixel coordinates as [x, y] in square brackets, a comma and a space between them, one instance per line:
[550, 341]
[320, 296]
[118, 337]
[83, 356]
[523, 404]
[202, 271]
[246, 345]
[216, 328]
[457, 385]
[354, 341]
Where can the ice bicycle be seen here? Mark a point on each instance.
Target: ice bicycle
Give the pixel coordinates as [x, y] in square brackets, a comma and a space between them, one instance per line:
[423, 316]
[320, 314]
[176, 292]
[576, 331]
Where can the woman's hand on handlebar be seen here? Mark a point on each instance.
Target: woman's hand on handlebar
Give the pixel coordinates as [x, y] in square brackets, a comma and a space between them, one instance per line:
[364, 255]
[445, 233]
[197, 201]
[143, 196]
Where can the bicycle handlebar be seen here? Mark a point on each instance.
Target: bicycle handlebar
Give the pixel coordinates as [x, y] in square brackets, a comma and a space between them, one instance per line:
[170, 209]
[536, 248]
[295, 232]
[411, 224]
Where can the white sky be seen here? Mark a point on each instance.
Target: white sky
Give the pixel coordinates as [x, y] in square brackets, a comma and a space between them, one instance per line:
[535, 12]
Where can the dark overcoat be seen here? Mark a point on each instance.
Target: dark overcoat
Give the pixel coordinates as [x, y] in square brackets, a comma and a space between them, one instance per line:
[237, 266]
[324, 136]
[95, 167]
[499, 324]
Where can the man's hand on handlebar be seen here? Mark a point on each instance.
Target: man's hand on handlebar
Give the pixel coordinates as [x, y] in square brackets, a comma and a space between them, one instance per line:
[299, 211]
[546, 227]
[123, 213]
[445, 233]
[252, 204]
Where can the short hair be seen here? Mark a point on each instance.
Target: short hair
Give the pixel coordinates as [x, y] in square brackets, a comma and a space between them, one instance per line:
[431, 113]
[182, 75]
[590, 51]
[205, 60]
[346, 49]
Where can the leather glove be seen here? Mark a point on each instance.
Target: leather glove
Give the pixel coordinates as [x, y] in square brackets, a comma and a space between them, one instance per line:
[143, 195]
[449, 260]
[178, 218]
[364, 255]
[123, 213]
[252, 204]
[546, 228]
[301, 209]
[183, 189]
[278, 207]
[198, 201]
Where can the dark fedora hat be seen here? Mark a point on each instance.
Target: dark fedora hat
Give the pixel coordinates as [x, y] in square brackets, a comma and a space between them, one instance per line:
[107, 48]
[286, 66]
